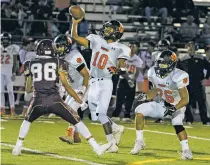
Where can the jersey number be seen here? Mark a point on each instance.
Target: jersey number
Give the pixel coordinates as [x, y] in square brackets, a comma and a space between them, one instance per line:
[5, 59]
[49, 70]
[101, 62]
[167, 94]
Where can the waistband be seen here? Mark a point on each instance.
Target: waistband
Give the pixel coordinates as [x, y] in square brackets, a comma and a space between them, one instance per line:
[100, 79]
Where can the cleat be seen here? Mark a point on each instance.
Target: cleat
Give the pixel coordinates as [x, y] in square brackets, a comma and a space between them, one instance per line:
[117, 133]
[17, 150]
[77, 139]
[103, 148]
[186, 154]
[139, 145]
[67, 139]
[113, 149]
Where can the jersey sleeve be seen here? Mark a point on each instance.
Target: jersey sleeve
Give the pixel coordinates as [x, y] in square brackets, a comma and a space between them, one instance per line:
[22, 55]
[92, 40]
[181, 78]
[125, 52]
[27, 70]
[77, 61]
[139, 62]
[150, 74]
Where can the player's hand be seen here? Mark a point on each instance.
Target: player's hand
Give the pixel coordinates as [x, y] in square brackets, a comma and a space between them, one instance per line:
[13, 77]
[170, 109]
[113, 70]
[142, 96]
[83, 106]
[77, 20]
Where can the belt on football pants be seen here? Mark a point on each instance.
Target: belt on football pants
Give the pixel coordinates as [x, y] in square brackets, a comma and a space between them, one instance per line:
[98, 79]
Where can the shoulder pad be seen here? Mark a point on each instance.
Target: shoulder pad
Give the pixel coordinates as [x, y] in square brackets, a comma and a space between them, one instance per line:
[179, 75]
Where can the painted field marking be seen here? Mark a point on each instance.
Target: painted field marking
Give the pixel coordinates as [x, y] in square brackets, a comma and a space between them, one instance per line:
[53, 155]
[43, 121]
[159, 132]
[2, 128]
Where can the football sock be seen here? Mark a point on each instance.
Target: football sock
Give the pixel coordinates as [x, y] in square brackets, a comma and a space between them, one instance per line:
[11, 99]
[2, 100]
[75, 129]
[83, 130]
[93, 143]
[139, 135]
[184, 144]
[24, 129]
[110, 138]
[23, 132]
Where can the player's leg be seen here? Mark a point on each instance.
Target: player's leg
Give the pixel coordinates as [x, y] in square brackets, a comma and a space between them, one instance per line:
[9, 85]
[34, 111]
[2, 95]
[177, 122]
[64, 111]
[151, 109]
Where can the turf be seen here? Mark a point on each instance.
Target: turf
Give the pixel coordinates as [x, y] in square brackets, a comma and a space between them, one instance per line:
[161, 149]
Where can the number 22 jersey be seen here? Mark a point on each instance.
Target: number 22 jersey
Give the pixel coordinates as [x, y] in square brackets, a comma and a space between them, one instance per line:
[105, 55]
[44, 71]
[168, 87]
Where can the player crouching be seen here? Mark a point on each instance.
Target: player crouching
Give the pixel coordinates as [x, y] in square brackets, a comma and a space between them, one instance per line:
[170, 84]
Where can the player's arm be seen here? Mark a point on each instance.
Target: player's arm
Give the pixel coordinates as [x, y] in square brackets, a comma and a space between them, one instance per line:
[81, 40]
[28, 84]
[64, 80]
[85, 74]
[183, 92]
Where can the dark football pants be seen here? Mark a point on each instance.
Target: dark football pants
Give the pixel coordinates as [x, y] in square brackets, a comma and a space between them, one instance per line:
[126, 95]
[196, 94]
[51, 104]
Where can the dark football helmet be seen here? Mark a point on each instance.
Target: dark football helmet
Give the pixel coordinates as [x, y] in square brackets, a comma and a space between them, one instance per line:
[45, 47]
[6, 39]
[63, 44]
[163, 45]
[112, 30]
[165, 63]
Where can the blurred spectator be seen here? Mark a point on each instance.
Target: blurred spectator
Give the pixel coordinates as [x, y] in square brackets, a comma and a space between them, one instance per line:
[195, 64]
[189, 29]
[63, 16]
[156, 7]
[8, 25]
[182, 8]
[206, 31]
[83, 28]
[170, 32]
[207, 50]
[52, 27]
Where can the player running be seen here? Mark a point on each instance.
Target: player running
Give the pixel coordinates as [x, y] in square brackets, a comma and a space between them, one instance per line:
[170, 84]
[108, 57]
[45, 72]
[9, 54]
[79, 77]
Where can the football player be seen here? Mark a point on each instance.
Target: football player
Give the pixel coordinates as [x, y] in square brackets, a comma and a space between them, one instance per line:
[9, 54]
[79, 77]
[45, 72]
[170, 84]
[108, 58]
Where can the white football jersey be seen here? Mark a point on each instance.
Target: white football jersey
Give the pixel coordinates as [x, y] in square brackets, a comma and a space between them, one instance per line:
[7, 57]
[75, 59]
[168, 86]
[105, 55]
[131, 64]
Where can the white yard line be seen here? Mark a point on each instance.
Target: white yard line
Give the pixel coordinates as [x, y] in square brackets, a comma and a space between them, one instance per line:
[165, 133]
[54, 155]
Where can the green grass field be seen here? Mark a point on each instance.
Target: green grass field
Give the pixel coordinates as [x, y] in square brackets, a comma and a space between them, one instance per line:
[43, 137]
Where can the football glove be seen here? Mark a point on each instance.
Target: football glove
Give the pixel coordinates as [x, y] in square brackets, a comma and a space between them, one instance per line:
[83, 106]
[113, 70]
[141, 97]
[170, 109]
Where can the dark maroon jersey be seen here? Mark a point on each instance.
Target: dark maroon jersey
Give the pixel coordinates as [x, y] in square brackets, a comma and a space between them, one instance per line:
[44, 72]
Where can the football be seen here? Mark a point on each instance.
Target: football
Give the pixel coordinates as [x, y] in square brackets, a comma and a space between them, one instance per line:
[76, 12]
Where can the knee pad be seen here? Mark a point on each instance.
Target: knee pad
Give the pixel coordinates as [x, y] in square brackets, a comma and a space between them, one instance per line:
[103, 118]
[179, 128]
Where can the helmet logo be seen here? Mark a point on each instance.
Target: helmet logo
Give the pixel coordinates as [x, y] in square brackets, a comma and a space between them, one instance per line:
[121, 29]
[173, 57]
[79, 60]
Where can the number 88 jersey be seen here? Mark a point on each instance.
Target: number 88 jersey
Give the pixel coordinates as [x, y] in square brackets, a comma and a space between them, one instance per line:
[105, 55]
[168, 87]
[44, 72]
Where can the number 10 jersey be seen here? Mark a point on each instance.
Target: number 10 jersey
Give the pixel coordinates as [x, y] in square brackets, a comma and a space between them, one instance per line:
[105, 55]
[44, 72]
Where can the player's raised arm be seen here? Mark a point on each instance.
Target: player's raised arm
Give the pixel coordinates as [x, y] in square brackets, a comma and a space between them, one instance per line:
[81, 40]
[28, 76]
